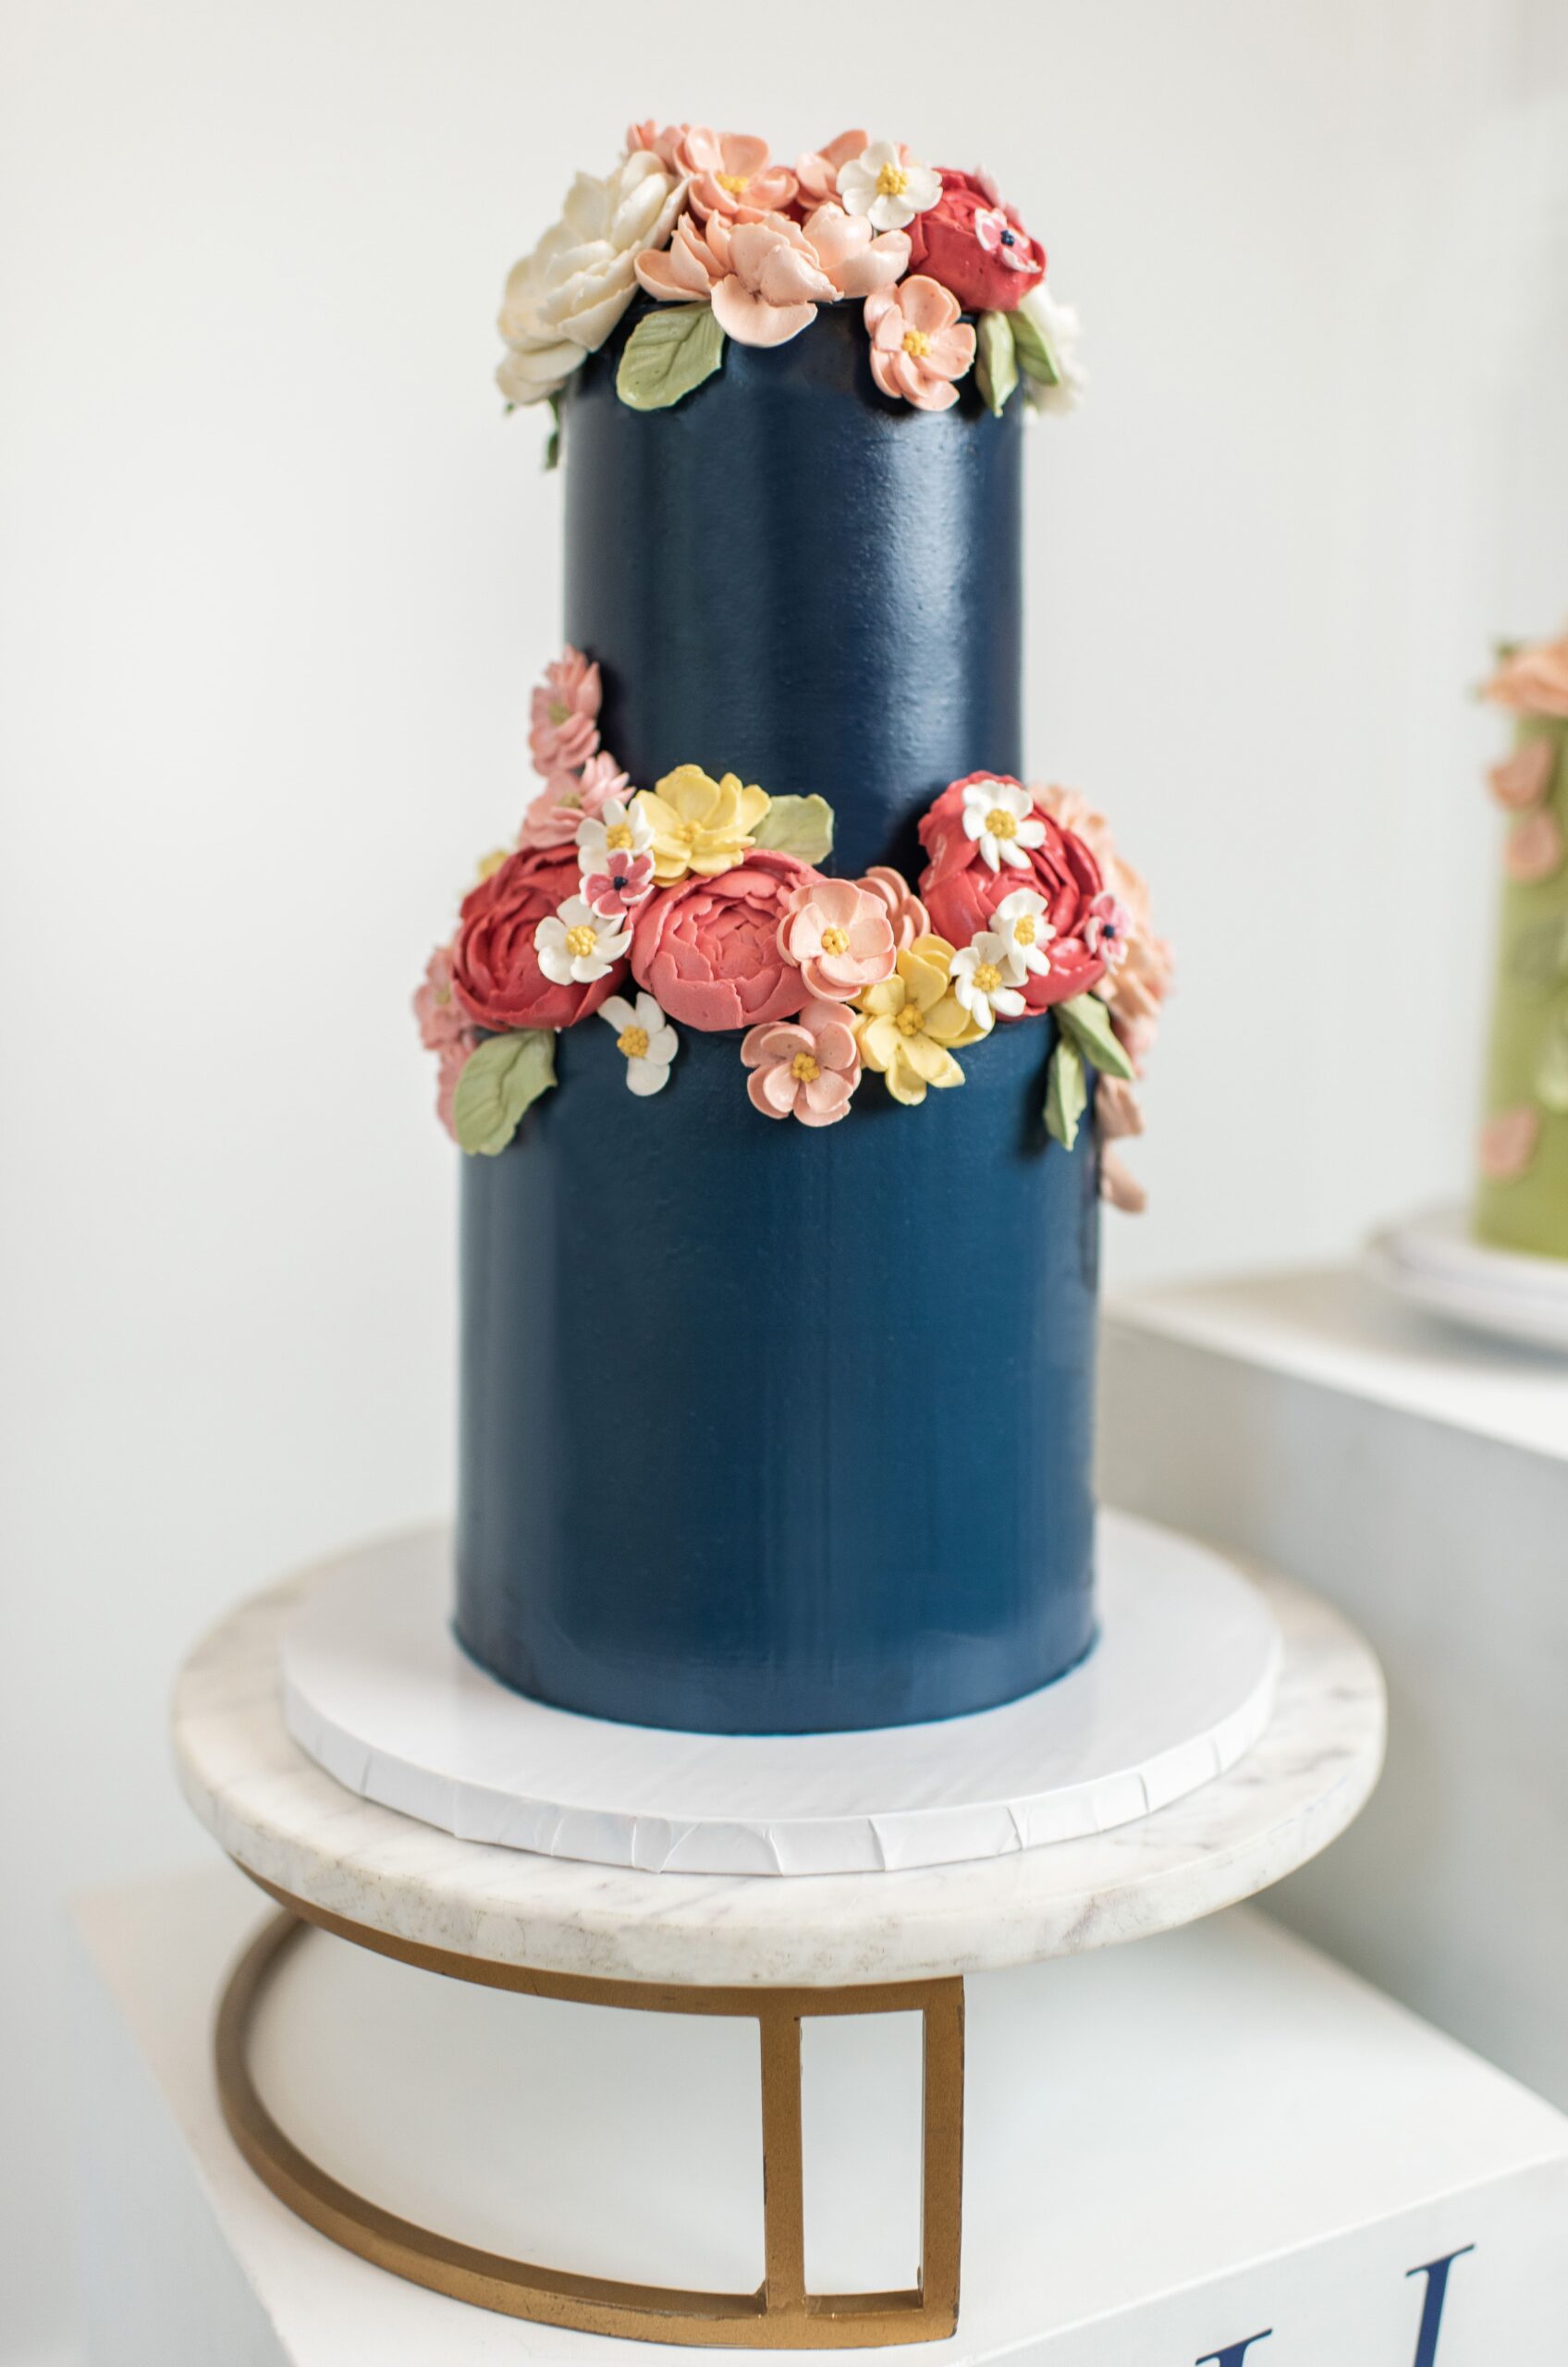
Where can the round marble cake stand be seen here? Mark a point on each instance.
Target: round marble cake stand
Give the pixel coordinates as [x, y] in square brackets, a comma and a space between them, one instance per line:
[747, 1945]
[1432, 1261]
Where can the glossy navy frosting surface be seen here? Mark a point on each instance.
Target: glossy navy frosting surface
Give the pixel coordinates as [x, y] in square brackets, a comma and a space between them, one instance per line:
[766, 1428]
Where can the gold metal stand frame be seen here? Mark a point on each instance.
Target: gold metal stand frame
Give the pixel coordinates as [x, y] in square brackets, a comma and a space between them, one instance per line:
[782, 2314]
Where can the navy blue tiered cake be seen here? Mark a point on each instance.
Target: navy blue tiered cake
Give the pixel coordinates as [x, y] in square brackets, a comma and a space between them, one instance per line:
[777, 1373]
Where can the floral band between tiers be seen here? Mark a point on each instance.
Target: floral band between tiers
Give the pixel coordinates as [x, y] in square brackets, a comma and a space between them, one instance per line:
[711, 895]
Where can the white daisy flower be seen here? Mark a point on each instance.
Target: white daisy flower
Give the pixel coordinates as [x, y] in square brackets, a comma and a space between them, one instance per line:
[576, 944]
[888, 185]
[618, 827]
[1020, 921]
[645, 1038]
[983, 980]
[1002, 817]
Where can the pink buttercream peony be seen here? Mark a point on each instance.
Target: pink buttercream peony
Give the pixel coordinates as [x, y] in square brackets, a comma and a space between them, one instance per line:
[1522, 778]
[961, 893]
[660, 140]
[839, 936]
[918, 343]
[1508, 1142]
[495, 971]
[564, 713]
[816, 172]
[908, 915]
[765, 276]
[1138, 987]
[731, 173]
[805, 1068]
[707, 948]
[567, 800]
[1533, 681]
[1535, 849]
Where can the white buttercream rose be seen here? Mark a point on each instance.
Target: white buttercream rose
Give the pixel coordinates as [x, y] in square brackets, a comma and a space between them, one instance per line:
[563, 300]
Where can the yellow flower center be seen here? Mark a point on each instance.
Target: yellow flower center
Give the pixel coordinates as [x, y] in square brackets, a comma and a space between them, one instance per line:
[733, 182]
[835, 940]
[633, 1042]
[891, 181]
[1023, 929]
[1001, 823]
[580, 941]
[987, 978]
[618, 837]
[443, 997]
[910, 1019]
[559, 713]
[490, 863]
[804, 1069]
[918, 342]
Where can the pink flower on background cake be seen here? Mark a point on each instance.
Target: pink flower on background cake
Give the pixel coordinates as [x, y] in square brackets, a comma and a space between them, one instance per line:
[729, 170]
[1534, 848]
[1120, 1187]
[918, 344]
[805, 1068]
[563, 714]
[1138, 987]
[764, 277]
[1533, 681]
[976, 246]
[1522, 778]
[443, 1022]
[908, 916]
[1109, 930]
[816, 172]
[1508, 1144]
[453, 1061]
[556, 816]
[660, 140]
[1118, 1110]
[708, 948]
[961, 892]
[839, 936]
[496, 970]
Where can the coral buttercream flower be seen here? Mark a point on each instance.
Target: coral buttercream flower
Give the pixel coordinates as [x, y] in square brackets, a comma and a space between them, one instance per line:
[563, 714]
[806, 1067]
[645, 1040]
[907, 913]
[963, 895]
[556, 816]
[918, 344]
[698, 824]
[1533, 681]
[730, 171]
[886, 185]
[976, 246]
[1522, 779]
[840, 936]
[911, 1022]
[708, 947]
[816, 172]
[496, 973]
[764, 277]
[577, 945]
[1508, 1144]
[985, 975]
[563, 300]
[1535, 849]
[660, 140]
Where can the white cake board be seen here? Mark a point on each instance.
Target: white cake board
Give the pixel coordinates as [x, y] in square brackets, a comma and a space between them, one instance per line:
[1433, 1261]
[1179, 1686]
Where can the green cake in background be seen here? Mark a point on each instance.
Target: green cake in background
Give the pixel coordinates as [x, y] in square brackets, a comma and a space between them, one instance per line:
[1522, 1198]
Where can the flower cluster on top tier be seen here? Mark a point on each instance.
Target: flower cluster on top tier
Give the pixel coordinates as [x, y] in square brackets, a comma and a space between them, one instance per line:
[731, 243]
[708, 897]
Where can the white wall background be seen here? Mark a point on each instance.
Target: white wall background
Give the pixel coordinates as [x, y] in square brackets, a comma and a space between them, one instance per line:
[275, 576]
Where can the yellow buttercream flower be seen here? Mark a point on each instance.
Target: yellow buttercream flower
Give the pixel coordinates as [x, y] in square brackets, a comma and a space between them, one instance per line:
[911, 1022]
[698, 824]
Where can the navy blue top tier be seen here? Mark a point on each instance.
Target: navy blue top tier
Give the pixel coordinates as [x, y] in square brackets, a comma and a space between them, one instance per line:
[789, 577]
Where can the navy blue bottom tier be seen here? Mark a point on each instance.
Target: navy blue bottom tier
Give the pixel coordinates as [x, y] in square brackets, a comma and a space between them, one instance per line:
[775, 1430]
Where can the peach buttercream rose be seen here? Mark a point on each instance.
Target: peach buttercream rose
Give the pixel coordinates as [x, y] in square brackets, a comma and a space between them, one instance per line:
[707, 948]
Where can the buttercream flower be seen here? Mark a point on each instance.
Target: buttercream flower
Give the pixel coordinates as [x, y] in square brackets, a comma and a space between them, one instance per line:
[1058, 330]
[708, 947]
[644, 1039]
[625, 882]
[1142, 983]
[838, 936]
[1534, 848]
[1022, 921]
[660, 140]
[997, 815]
[454, 1059]
[816, 172]
[1508, 1142]
[976, 246]
[918, 344]
[1119, 1186]
[613, 850]
[577, 945]
[1522, 778]
[1118, 1111]
[698, 824]
[443, 1022]
[984, 976]
[911, 1024]
[857, 258]
[563, 300]
[1107, 930]
[886, 185]
[556, 816]
[962, 894]
[766, 277]
[729, 170]
[806, 1067]
[563, 714]
[495, 967]
[1533, 681]
[905, 911]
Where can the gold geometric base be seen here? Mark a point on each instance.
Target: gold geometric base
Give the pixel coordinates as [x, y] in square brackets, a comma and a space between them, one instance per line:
[782, 2314]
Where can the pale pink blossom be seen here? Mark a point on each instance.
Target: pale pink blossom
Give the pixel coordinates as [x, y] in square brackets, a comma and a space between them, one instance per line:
[660, 140]
[621, 886]
[1119, 1186]
[443, 1022]
[568, 799]
[840, 936]
[1107, 931]
[907, 913]
[1533, 681]
[918, 343]
[1534, 848]
[765, 276]
[564, 715]
[817, 170]
[1508, 1142]
[731, 173]
[856, 258]
[1118, 1110]
[1522, 778]
[806, 1067]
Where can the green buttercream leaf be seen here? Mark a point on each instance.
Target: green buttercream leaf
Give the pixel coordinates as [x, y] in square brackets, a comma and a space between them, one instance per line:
[667, 353]
[995, 363]
[1552, 1068]
[1539, 955]
[500, 1081]
[1031, 351]
[553, 448]
[798, 826]
[1088, 1022]
[1067, 1094]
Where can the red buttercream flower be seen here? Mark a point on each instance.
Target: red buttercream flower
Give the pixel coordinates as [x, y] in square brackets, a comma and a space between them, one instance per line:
[961, 893]
[496, 971]
[707, 948]
[976, 246]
